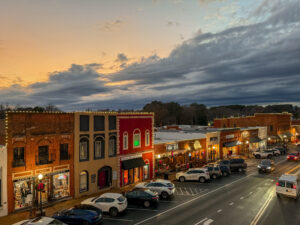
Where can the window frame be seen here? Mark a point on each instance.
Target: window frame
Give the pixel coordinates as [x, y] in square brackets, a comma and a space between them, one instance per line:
[125, 137]
[60, 151]
[18, 162]
[87, 148]
[115, 145]
[100, 139]
[80, 123]
[136, 132]
[40, 148]
[147, 138]
[87, 181]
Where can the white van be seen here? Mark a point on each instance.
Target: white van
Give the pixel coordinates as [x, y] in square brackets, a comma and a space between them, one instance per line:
[289, 185]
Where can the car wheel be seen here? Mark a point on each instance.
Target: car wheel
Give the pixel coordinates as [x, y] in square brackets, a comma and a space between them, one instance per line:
[257, 156]
[146, 204]
[201, 179]
[214, 176]
[240, 170]
[113, 212]
[164, 195]
[225, 174]
[181, 179]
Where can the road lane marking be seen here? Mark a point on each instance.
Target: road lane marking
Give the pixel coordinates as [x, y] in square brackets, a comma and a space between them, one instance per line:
[191, 200]
[220, 210]
[231, 203]
[262, 210]
[107, 218]
[201, 221]
[292, 169]
[250, 193]
[207, 222]
[141, 209]
[242, 197]
[187, 193]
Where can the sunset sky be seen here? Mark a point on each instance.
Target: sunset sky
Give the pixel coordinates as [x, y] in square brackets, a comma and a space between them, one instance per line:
[101, 54]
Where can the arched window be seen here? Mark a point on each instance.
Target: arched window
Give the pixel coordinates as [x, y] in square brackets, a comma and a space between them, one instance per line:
[84, 149]
[112, 148]
[136, 138]
[84, 181]
[125, 140]
[99, 148]
[147, 138]
[104, 177]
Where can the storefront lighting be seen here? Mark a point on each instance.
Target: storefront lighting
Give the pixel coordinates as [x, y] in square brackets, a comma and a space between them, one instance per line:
[247, 142]
[40, 176]
[269, 139]
[158, 156]
[284, 136]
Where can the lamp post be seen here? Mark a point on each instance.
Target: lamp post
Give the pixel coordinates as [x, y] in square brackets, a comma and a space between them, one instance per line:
[40, 188]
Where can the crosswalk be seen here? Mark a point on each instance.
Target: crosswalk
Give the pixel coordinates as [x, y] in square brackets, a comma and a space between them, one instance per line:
[189, 191]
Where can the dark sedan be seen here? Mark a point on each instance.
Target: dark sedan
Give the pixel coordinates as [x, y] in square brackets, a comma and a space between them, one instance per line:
[266, 165]
[79, 215]
[142, 196]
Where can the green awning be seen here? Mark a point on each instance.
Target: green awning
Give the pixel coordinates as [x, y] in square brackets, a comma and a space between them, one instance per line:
[132, 163]
[231, 144]
[255, 140]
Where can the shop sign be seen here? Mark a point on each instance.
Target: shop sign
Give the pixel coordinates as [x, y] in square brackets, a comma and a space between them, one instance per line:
[229, 136]
[93, 178]
[172, 147]
[114, 175]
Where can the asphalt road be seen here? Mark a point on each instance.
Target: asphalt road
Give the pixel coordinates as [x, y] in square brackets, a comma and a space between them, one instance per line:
[240, 199]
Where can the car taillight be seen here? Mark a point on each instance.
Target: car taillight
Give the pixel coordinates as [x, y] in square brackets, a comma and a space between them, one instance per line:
[288, 157]
[277, 184]
[294, 186]
[120, 203]
[170, 188]
[156, 197]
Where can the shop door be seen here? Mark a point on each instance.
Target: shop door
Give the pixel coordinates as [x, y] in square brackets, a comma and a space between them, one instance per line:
[102, 179]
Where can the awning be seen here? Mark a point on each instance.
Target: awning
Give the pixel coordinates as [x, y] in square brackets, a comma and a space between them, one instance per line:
[274, 137]
[231, 144]
[132, 163]
[255, 140]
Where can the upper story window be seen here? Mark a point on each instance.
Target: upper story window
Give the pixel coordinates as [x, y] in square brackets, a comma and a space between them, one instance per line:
[84, 123]
[125, 141]
[43, 157]
[112, 122]
[271, 128]
[99, 148]
[64, 151]
[136, 138]
[19, 157]
[112, 147]
[84, 149]
[99, 123]
[147, 138]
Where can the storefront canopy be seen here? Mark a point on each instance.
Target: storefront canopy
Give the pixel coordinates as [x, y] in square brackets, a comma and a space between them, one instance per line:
[231, 144]
[132, 163]
[255, 140]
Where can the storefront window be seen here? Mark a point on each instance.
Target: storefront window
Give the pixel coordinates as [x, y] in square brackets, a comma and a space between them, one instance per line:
[61, 186]
[136, 174]
[146, 171]
[125, 177]
[23, 192]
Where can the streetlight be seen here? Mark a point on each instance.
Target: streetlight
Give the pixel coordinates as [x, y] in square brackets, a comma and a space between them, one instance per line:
[40, 188]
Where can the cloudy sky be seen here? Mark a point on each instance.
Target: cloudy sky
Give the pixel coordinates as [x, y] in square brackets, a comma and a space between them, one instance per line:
[122, 54]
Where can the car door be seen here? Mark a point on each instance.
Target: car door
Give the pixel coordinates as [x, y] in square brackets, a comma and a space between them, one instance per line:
[280, 187]
[153, 187]
[102, 204]
[189, 175]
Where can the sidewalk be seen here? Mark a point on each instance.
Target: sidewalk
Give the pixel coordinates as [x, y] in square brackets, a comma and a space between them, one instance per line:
[50, 210]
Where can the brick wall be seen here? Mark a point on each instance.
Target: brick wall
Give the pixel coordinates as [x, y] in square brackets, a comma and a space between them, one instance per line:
[2, 132]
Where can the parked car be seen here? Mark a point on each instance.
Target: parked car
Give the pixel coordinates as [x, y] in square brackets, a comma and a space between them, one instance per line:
[164, 188]
[142, 196]
[266, 165]
[294, 156]
[282, 150]
[112, 203]
[274, 151]
[288, 185]
[237, 164]
[214, 171]
[263, 154]
[40, 221]
[225, 170]
[79, 216]
[194, 174]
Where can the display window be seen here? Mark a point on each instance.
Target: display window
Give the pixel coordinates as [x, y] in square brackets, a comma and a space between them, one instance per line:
[125, 177]
[61, 185]
[146, 171]
[23, 193]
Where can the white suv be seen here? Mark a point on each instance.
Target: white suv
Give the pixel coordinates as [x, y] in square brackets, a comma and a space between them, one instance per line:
[164, 188]
[200, 174]
[113, 203]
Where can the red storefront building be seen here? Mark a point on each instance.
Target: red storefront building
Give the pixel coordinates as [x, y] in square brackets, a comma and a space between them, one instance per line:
[135, 147]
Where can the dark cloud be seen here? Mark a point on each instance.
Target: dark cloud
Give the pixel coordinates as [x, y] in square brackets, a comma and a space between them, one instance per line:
[258, 63]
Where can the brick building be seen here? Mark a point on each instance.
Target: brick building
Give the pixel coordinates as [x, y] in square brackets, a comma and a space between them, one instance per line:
[39, 143]
[135, 147]
[278, 124]
[2, 132]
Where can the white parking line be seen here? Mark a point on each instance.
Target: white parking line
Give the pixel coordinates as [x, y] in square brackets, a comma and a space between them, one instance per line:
[242, 197]
[207, 222]
[187, 193]
[107, 218]
[231, 203]
[220, 210]
[201, 221]
[191, 191]
[141, 209]
[250, 193]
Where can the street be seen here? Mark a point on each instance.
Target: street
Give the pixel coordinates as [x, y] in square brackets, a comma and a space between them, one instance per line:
[246, 198]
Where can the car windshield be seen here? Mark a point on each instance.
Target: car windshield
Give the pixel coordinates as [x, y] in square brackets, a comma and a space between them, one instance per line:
[168, 184]
[121, 199]
[265, 162]
[293, 153]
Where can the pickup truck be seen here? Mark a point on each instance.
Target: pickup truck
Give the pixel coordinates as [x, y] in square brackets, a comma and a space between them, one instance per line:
[263, 154]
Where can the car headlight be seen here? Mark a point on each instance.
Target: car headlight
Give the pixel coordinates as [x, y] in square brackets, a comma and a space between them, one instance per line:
[269, 167]
[258, 166]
